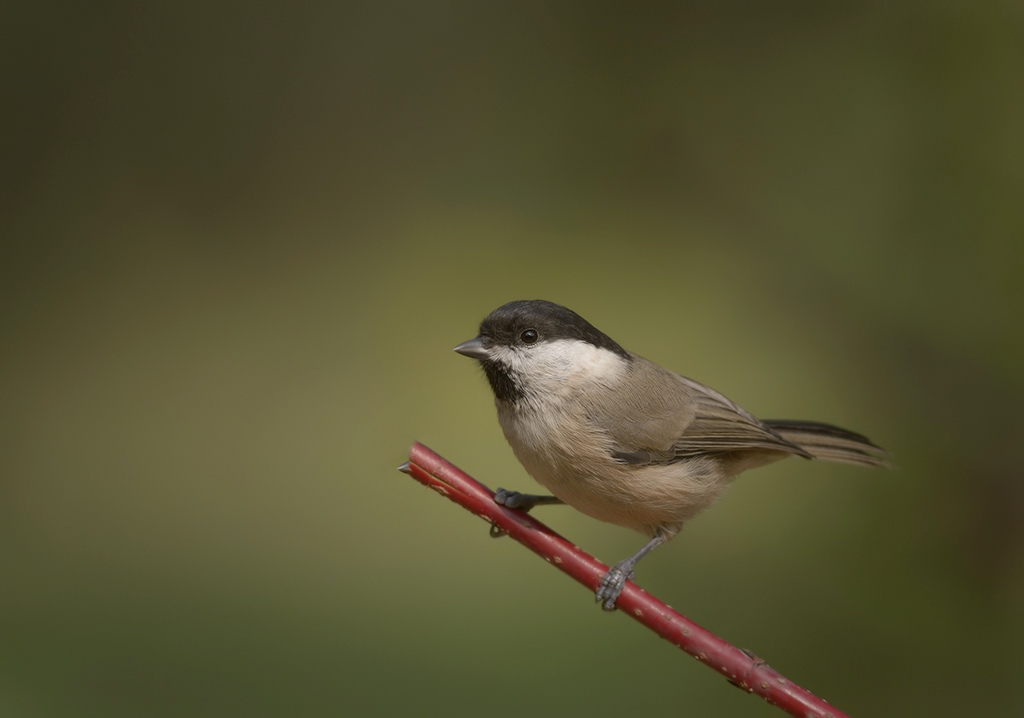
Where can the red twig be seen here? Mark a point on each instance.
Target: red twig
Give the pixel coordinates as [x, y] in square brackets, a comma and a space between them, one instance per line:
[741, 667]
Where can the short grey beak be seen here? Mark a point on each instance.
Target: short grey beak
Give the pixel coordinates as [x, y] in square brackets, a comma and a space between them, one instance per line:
[474, 349]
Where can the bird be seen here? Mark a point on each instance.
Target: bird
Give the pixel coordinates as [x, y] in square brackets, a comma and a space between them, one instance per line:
[622, 439]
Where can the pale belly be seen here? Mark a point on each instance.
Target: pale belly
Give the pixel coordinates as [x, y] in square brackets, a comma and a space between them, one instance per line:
[647, 499]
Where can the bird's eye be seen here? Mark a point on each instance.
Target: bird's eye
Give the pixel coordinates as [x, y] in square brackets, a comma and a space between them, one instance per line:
[529, 336]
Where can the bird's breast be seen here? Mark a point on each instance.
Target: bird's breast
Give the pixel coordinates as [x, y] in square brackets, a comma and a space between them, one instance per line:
[574, 461]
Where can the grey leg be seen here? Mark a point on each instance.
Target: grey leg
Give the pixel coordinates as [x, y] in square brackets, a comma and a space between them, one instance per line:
[516, 500]
[613, 582]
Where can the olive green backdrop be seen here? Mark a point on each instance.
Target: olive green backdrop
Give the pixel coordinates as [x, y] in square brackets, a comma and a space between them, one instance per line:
[239, 241]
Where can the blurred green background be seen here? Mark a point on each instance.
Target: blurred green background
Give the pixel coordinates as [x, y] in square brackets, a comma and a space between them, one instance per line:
[240, 241]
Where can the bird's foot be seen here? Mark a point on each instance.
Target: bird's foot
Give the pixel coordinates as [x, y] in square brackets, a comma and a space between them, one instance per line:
[612, 584]
[515, 500]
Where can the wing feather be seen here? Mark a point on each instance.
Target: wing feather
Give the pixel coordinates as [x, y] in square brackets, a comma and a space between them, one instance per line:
[684, 420]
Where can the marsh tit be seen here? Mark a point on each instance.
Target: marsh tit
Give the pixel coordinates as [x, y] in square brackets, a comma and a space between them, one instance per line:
[621, 439]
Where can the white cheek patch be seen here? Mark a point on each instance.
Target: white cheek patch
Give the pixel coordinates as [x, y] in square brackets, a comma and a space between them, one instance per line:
[563, 364]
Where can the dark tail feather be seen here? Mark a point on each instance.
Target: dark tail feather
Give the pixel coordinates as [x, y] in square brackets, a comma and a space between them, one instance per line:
[830, 443]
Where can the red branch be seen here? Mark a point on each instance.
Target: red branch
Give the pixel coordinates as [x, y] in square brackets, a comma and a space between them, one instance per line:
[742, 668]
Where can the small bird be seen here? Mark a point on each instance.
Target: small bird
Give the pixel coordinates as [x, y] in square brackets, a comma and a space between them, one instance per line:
[620, 438]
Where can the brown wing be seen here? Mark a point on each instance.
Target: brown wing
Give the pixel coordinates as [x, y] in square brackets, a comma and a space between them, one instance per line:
[683, 420]
[720, 425]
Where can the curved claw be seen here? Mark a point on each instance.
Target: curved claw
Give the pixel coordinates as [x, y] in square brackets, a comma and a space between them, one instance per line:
[614, 581]
[612, 584]
[514, 499]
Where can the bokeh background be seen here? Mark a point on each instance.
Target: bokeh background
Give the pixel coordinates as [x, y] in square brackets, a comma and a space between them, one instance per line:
[240, 241]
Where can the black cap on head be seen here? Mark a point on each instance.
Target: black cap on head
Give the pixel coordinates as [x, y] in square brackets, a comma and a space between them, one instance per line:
[506, 325]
